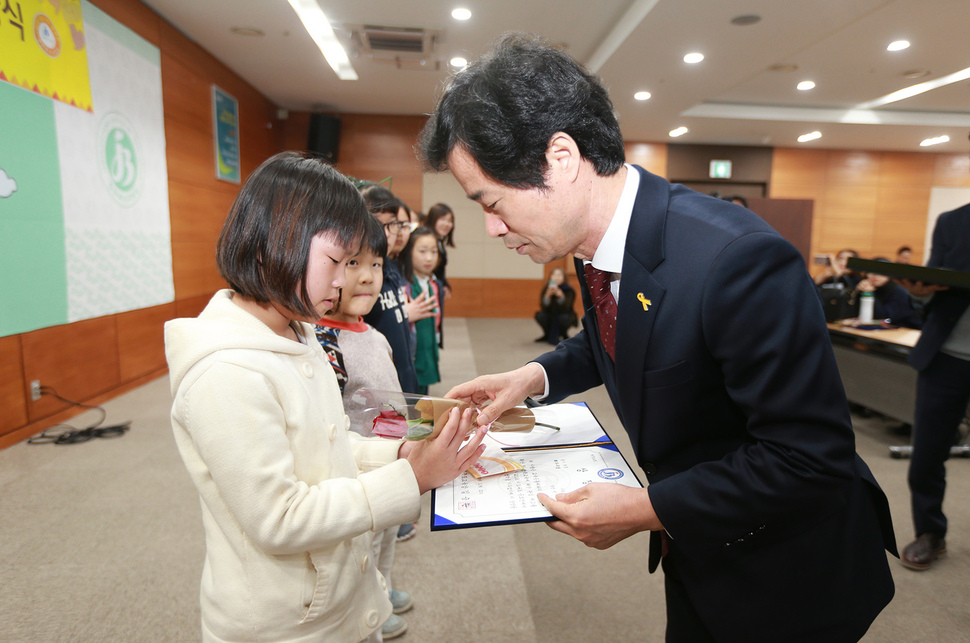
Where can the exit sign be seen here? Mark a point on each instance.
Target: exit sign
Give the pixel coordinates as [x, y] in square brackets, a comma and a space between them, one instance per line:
[720, 170]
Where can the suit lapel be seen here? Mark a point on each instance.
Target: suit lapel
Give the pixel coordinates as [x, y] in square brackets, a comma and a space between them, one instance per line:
[640, 301]
[641, 297]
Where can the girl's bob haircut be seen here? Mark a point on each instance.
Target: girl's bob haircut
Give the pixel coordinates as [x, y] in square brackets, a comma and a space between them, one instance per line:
[264, 246]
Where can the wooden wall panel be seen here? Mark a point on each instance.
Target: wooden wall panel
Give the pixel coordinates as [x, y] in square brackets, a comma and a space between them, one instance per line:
[650, 156]
[898, 202]
[910, 169]
[13, 387]
[197, 213]
[836, 234]
[191, 158]
[853, 202]
[192, 306]
[134, 15]
[493, 297]
[852, 168]
[952, 170]
[260, 136]
[194, 268]
[78, 360]
[187, 95]
[141, 340]
[295, 131]
[797, 167]
[889, 235]
[375, 147]
[872, 202]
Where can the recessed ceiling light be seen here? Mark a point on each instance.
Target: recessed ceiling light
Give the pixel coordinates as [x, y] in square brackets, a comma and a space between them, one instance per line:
[461, 14]
[247, 31]
[642, 96]
[745, 20]
[898, 45]
[811, 136]
[935, 141]
[805, 85]
[458, 62]
[680, 131]
[693, 58]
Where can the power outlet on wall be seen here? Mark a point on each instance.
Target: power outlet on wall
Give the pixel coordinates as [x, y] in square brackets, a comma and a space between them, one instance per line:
[35, 390]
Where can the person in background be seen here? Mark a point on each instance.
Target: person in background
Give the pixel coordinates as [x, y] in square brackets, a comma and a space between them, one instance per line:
[738, 199]
[420, 257]
[404, 216]
[904, 254]
[892, 302]
[441, 219]
[705, 328]
[290, 498]
[420, 306]
[362, 359]
[836, 271]
[390, 315]
[556, 314]
[942, 358]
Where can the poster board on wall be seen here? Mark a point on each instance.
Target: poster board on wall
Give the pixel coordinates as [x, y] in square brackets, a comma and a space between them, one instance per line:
[84, 214]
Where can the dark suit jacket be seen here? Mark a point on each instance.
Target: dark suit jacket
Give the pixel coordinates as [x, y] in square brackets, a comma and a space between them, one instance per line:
[951, 249]
[728, 387]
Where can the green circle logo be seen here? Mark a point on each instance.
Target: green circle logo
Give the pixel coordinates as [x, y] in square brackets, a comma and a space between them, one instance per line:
[120, 158]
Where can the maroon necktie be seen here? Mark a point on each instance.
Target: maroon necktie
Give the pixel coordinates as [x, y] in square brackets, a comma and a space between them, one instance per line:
[599, 289]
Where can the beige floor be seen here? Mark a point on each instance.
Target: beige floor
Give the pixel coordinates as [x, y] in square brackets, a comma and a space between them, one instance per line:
[102, 541]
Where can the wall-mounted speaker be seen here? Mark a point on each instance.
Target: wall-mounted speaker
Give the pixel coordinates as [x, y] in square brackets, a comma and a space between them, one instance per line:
[324, 137]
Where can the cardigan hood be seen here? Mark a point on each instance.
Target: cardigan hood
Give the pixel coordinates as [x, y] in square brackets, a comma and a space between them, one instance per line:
[190, 340]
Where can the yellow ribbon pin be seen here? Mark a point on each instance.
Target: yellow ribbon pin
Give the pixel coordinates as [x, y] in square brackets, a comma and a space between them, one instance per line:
[643, 300]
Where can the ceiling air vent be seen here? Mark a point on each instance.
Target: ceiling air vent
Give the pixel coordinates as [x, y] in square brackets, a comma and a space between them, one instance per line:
[407, 47]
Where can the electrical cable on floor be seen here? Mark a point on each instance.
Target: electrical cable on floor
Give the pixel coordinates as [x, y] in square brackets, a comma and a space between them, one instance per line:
[67, 434]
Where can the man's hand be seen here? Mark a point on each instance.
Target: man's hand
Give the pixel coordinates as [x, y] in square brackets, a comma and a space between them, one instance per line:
[919, 289]
[501, 391]
[602, 514]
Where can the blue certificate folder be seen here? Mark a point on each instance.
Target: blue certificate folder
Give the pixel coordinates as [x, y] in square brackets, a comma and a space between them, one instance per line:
[553, 462]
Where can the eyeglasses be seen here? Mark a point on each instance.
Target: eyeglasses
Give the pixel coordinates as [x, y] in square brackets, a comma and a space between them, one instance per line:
[395, 226]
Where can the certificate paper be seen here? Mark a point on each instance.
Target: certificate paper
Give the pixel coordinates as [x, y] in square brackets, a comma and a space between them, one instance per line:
[553, 462]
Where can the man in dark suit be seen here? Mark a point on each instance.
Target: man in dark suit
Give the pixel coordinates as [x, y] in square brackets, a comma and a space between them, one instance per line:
[942, 357]
[704, 326]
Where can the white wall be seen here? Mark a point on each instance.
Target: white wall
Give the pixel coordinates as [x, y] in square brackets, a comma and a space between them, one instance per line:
[476, 255]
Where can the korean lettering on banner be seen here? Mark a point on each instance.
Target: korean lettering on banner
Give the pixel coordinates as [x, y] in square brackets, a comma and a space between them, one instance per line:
[15, 17]
[47, 54]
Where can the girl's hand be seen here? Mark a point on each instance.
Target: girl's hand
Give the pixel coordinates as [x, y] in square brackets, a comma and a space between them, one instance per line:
[442, 459]
[420, 308]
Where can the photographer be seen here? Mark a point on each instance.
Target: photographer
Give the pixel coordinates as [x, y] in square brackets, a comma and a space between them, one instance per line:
[556, 314]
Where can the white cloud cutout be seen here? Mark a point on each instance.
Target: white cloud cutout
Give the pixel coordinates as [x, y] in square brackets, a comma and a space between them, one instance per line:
[7, 185]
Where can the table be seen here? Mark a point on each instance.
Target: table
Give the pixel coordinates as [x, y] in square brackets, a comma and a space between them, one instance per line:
[875, 374]
[874, 370]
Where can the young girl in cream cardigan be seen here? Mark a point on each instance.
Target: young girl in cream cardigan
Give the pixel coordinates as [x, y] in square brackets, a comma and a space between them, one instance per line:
[290, 498]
